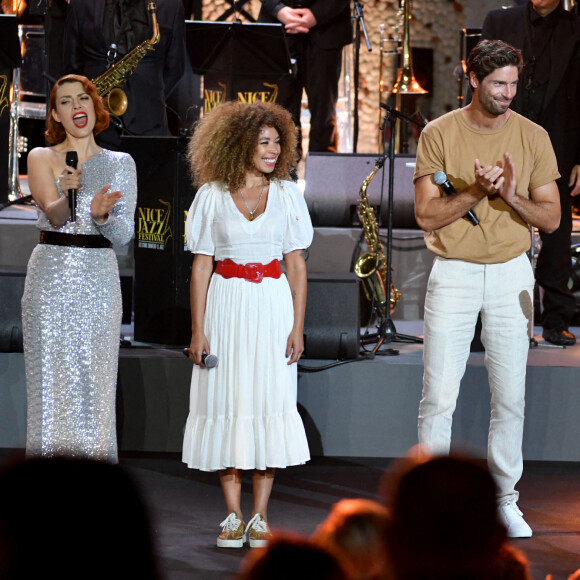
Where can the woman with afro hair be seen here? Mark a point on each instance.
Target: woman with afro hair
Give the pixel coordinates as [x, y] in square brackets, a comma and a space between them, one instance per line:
[247, 216]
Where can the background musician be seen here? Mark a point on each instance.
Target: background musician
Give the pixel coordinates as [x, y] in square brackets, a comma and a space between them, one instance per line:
[93, 26]
[317, 32]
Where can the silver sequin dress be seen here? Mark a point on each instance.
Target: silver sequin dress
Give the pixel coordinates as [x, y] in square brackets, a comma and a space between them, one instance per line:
[71, 314]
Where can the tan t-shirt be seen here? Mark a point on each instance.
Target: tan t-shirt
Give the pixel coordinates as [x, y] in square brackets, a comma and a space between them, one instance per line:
[451, 145]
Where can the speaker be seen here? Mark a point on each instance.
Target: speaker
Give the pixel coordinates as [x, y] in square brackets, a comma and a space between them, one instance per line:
[11, 290]
[332, 320]
[334, 181]
[162, 260]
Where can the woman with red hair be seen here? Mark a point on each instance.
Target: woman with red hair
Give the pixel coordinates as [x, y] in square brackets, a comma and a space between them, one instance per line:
[71, 307]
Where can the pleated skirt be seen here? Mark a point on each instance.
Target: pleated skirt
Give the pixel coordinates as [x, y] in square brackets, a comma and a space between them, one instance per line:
[243, 412]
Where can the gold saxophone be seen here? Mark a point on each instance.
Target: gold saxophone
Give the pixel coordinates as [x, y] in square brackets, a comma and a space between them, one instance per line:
[114, 77]
[371, 267]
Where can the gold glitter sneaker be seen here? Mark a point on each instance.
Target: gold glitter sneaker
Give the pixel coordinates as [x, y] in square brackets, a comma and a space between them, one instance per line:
[233, 532]
[259, 532]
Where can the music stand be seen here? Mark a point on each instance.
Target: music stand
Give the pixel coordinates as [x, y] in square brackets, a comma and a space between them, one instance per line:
[238, 50]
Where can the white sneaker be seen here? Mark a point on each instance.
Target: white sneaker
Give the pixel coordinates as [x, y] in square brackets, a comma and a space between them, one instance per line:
[512, 518]
[259, 532]
[233, 532]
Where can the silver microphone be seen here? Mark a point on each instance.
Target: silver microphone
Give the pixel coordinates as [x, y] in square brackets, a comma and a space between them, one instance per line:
[209, 360]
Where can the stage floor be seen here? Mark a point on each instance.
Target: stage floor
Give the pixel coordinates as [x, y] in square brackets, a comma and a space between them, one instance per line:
[187, 506]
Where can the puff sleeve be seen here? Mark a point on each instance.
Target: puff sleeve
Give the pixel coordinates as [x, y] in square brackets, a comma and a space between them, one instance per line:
[299, 232]
[199, 222]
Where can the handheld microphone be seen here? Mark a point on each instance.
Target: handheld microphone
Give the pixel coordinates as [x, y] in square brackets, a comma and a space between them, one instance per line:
[440, 178]
[72, 160]
[209, 360]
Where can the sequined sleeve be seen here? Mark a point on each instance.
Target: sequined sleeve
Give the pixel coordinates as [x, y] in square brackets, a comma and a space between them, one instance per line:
[120, 226]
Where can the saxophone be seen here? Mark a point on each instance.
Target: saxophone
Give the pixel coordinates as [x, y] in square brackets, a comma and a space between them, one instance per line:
[371, 267]
[114, 77]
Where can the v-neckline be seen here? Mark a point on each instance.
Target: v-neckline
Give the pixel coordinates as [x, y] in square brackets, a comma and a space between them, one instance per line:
[241, 213]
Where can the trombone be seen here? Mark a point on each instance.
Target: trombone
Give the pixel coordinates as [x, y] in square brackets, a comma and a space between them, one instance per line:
[406, 83]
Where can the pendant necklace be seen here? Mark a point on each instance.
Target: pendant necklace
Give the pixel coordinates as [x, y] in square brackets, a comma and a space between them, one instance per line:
[257, 205]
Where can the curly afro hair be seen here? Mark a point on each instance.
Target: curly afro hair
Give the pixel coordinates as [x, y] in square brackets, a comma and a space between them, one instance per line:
[225, 139]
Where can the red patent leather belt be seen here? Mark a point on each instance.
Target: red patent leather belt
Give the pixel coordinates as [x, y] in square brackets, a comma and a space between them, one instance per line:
[250, 272]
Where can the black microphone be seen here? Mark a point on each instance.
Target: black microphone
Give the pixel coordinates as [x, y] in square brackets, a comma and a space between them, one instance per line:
[440, 178]
[72, 160]
[209, 360]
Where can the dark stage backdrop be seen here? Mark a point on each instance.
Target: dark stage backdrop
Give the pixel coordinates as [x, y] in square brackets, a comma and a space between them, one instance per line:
[162, 261]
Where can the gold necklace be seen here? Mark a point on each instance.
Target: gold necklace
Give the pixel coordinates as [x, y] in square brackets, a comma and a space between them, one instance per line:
[252, 212]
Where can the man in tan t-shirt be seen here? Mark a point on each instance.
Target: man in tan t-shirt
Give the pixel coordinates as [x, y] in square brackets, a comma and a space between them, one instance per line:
[504, 168]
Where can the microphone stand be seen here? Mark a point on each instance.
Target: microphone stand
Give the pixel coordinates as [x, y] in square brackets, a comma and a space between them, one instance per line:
[387, 332]
[360, 22]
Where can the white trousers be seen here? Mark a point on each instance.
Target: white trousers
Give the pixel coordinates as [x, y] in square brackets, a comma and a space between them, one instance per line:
[457, 292]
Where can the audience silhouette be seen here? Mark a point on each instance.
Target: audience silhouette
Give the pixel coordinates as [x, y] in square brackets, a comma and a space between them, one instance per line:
[355, 530]
[72, 518]
[291, 557]
[444, 522]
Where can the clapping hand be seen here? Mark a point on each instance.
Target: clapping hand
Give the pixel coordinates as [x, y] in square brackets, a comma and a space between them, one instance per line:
[499, 178]
[103, 203]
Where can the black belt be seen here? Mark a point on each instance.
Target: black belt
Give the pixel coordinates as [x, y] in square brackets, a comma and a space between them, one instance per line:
[78, 240]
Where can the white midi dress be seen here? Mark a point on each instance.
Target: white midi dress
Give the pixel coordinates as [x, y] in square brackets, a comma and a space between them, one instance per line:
[243, 412]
